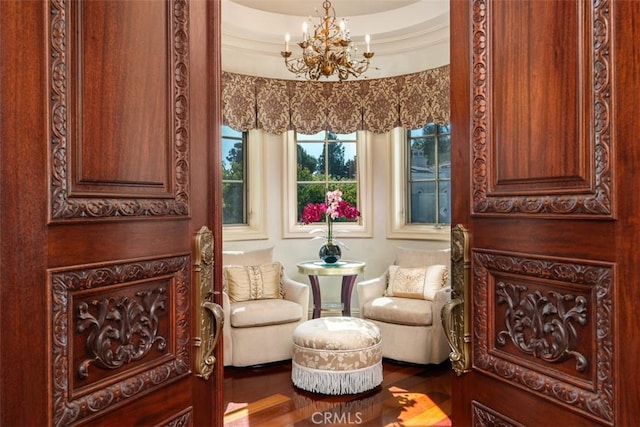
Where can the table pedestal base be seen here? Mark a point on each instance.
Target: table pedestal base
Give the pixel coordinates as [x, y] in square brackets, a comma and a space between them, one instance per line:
[345, 297]
[348, 270]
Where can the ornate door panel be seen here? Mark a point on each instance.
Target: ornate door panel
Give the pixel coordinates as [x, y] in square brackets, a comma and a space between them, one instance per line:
[540, 163]
[117, 163]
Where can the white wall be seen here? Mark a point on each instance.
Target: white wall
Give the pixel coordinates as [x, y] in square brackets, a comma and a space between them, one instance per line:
[378, 252]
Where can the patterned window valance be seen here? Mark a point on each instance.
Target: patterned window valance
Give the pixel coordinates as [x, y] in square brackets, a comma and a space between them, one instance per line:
[377, 105]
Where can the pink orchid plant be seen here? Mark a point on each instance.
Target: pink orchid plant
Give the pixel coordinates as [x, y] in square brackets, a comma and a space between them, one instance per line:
[332, 209]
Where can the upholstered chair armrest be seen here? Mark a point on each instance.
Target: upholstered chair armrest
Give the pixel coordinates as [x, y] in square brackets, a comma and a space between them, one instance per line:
[370, 289]
[296, 292]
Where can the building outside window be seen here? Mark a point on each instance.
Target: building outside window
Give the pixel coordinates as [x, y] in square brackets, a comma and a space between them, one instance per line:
[429, 175]
[420, 183]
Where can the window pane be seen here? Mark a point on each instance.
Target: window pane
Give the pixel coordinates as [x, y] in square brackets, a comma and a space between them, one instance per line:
[421, 160]
[446, 128]
[309, 193]
[308, 155]
[315, 137]
[429, 129]
[229, 132]
[349, 193]
[445, 170]
[233, 203]
[326, 161]
[343, 136]
[232, 159]
[429, 168]
[445, 202]
[341, 166]
[423, 202]
[234, 175]
[413, 133]
[444, 151]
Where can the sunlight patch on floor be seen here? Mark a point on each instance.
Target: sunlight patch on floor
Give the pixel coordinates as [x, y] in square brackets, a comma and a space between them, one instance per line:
[416, 409]
[236, 411]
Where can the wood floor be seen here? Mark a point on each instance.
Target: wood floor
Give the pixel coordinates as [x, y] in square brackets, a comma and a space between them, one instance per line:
[410, 395]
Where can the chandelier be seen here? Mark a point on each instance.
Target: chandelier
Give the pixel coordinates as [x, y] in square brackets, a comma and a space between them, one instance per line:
[328, 51]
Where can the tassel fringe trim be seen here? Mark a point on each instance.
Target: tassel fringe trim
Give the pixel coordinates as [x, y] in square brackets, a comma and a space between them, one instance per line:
[336, 382]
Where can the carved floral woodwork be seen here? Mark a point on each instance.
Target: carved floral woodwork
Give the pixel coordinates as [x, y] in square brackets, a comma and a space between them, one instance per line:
[580, 294]
[64, 205]
[543, 325]
[483, 416]
[123, 331]
[119, 329]
[184, 419]
[594, 198]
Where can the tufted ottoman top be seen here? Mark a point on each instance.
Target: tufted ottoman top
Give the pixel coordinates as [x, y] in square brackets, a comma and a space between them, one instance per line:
[336, 333]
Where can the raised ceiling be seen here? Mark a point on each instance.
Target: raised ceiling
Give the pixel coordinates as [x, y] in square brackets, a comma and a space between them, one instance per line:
[406, 35]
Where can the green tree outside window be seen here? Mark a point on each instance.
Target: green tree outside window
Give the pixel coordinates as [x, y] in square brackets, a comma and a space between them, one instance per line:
[326, 161]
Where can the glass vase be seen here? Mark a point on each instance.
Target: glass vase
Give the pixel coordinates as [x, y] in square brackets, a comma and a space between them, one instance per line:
[330, 253]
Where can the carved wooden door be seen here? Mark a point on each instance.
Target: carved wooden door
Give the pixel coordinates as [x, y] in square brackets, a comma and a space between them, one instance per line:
[109, 169]
[545, 160]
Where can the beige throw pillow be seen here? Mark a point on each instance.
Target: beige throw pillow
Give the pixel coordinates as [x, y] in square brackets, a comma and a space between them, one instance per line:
[416, 282]
[409, 257]
[254, 282]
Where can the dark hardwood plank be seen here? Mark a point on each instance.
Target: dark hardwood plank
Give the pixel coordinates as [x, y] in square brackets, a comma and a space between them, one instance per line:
[410, 395]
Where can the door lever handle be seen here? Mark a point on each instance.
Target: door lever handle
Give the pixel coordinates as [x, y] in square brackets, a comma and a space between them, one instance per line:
[208, 360]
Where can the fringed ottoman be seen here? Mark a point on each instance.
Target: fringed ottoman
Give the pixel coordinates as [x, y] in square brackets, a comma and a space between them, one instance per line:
[337, 355]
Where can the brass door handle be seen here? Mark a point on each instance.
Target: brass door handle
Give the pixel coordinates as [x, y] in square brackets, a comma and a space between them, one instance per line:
[210, 316]
[455, 313]
[457, 356]
[208, 360]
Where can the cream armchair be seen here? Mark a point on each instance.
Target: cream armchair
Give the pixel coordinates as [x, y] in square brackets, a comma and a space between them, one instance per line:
[259, 329]
[405, 302]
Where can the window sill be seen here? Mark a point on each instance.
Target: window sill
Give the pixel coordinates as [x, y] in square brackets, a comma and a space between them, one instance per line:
[339, 232]
[236, 233]
[421, 232]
